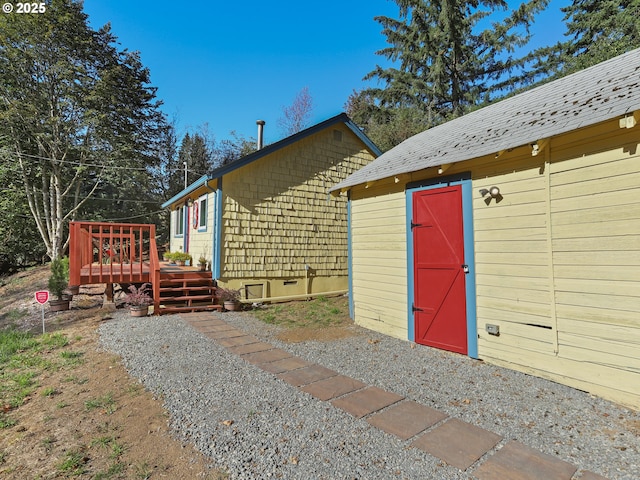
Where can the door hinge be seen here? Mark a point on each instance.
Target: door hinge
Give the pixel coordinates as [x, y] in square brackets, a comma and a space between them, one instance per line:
[415, 225]
[415, 309]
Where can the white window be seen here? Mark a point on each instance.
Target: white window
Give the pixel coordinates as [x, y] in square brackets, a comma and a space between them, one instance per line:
[179, 221]
[202, 213]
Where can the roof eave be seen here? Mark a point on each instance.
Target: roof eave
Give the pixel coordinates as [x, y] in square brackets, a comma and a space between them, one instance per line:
[204, 180]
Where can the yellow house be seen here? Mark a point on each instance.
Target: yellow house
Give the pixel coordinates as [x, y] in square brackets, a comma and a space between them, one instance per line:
[266, 223]
[512, 234]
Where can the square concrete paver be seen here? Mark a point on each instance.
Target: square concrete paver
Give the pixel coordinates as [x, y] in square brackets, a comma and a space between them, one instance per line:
[236, 341]
[307, 375]
[458, 443]
[516, 461]
[586, 475]
[406, 419]
[333, 387]
[251, 348]
[366, 401]
[206, 322]
[214, 328]
[266, 356]
[224, 334]
[284, 365]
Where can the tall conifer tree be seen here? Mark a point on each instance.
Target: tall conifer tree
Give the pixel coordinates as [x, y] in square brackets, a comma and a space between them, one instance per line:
[449, 56]
[597, 30]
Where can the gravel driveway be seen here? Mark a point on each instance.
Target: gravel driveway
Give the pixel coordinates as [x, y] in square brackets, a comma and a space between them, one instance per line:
[254, 425]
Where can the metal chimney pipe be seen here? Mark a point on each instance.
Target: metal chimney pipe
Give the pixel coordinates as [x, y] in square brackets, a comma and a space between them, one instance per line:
[260, 124]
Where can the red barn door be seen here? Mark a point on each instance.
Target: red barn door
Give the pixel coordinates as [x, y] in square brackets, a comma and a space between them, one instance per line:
[439, 271]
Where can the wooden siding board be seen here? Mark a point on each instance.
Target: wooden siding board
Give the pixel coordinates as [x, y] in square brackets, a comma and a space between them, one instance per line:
[597, 272]
[612, 302]
[494, 315]
[529, 234]
[525, 210]
[599, 199]
[623, 318]
[581, 214]
[600, 229]
[509, 223]
[512, 270]
[628, 259]
[615, 354]
[531, 308]
[605, 331]
[540, 284]
[512, 246]
[511, 258]
[596, 168]
[602, 287]
[512, 293]
[521, 343]
[588, 187]
[595, 244]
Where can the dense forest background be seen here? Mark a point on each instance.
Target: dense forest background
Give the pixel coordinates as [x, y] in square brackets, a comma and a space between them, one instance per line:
[83, 136]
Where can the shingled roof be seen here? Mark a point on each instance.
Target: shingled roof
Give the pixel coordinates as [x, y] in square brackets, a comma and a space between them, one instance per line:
[593, 95]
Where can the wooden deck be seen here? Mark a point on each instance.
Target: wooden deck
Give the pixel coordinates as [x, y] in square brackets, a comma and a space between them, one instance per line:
[124, 253]
[126, 272]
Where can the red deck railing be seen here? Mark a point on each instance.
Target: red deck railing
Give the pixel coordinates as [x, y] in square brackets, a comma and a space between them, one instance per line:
[113, 253]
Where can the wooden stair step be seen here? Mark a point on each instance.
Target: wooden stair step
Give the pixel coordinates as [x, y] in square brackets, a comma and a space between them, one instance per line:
[186, 282]
[181, 276]
[186, 298]
[197, 288]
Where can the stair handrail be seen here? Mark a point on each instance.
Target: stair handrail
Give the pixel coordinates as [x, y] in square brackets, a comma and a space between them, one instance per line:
[154, 267]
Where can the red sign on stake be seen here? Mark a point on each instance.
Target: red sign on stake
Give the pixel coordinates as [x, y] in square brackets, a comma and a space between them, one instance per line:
[42, 297]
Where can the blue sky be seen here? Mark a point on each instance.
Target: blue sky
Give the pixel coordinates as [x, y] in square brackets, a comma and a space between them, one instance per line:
[229, 63]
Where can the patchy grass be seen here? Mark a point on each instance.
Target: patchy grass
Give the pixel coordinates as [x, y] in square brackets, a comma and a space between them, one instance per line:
[321, 319]
[66, 407]
[106, 403]
[21, 365]
[73, 463]
[320, 312]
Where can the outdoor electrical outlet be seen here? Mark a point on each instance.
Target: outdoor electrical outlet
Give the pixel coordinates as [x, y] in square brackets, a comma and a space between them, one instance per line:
[492, 329]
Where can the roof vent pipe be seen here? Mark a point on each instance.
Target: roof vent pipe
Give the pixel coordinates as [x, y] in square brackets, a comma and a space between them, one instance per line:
[260, 124]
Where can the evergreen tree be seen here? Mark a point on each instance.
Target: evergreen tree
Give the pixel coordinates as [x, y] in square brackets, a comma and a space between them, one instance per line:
[385, 126]
[444, 63]
[597, 30]
[195, 152]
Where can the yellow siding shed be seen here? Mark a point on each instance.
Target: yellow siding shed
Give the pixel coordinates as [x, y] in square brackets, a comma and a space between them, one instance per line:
[553, 239]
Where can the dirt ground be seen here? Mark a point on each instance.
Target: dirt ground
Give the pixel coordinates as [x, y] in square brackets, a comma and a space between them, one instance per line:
[90, 417]
[126, 435]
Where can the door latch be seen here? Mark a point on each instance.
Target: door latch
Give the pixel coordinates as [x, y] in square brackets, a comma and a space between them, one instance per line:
[465, 268]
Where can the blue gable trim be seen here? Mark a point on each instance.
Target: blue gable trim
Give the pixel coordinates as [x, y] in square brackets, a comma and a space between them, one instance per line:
[285, 142]
[464, 180]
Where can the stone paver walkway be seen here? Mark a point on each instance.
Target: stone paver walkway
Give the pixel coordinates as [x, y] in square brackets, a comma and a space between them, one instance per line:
[460, 444]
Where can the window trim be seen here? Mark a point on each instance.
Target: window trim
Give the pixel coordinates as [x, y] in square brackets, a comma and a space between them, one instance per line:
[179, 230]
[202, 213]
